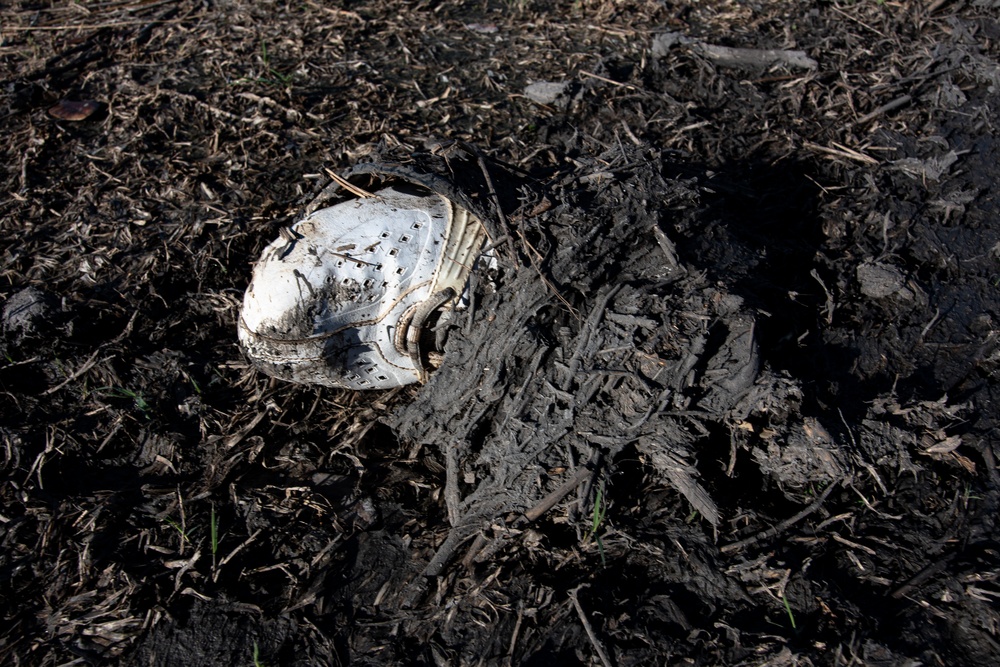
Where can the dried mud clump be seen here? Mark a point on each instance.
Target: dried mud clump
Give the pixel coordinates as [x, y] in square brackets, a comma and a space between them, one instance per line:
[26, 314]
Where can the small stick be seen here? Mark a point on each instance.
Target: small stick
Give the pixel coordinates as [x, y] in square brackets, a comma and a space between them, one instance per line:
[854, 545]
[350, 187]
[936, 5]
[86, 366]
[885, 108]
[586, 331]
[549, 501]
[533, 256]
[351, 259]
[734, 57]
[478, 545]
[242, 545]
[841, 151]
[594, 641]
[517, 630]
[536, 512]
[830, 306]
[481, 161]
[90, 26]
[784, 525]
[628, 131]
[456, 536]
[859, 22]
[922, 576]
[607, 80]
[337, 12]
[452, 498]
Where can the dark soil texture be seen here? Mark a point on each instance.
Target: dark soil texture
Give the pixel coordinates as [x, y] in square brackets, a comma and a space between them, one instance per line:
[729, 397]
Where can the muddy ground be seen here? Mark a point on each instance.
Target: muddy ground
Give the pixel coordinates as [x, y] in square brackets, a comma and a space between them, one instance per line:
[743, 338]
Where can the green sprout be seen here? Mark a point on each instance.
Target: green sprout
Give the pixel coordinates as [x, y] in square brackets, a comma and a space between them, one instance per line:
[597, 518]
[120, 392]
[273, 77]
[788, 609]
[194, 383]
[214, 528]
[173, 524]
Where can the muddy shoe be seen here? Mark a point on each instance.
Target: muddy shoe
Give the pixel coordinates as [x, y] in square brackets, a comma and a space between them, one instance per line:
[344, 297]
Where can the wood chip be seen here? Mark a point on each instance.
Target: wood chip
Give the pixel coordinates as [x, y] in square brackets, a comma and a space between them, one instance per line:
[73, 110]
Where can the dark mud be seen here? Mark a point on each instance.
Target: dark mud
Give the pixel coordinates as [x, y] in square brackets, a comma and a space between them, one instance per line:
[729, 398]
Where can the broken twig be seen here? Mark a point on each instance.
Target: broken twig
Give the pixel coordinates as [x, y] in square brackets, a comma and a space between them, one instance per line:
[591, 635]
[730, 57]
[784, 525]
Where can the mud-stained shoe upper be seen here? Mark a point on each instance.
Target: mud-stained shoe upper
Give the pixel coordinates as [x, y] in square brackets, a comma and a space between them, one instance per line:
[327, 300]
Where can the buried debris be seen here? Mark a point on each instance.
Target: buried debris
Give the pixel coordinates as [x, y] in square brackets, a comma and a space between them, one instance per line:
[653, 361]
[351, 295]
[726, 56]
[588, 336]
[342, 298]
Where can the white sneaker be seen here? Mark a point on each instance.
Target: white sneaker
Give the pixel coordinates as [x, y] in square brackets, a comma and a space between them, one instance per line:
[343, 297]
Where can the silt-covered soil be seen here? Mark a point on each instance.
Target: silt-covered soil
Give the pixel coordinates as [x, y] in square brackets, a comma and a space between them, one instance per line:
[728, 395]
